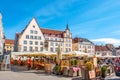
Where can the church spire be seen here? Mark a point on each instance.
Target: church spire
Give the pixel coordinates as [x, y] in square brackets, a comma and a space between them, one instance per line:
[67, 27]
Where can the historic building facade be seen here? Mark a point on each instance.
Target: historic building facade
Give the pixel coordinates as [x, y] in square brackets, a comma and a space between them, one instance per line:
[83, 45]
[1, 37]
[9, 46]
[102, 51]
[35, 39]
[30, 39]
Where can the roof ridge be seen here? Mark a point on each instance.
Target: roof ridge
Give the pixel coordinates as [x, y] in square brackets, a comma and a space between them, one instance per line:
[52, 29]
[9, 39]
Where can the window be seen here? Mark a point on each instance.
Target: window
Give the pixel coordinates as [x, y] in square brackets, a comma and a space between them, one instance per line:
[35, 37]
[31, 37]
[51, 49]
[25, 48]
[66, 44]
[31, 31]
[46, 38]
[25, 42]
[69, 49]
[35, 32]
[59, 39]
[39, 38]
[30, 42]
[36, 48]
[56, 49]
[61, 44]
[69, 40]
[27, 36]
[41, 43]
[36, 43]
[30, 48]
[56, 44]
[41, 48]
[33, 26]
[51, 39]
[98, 53]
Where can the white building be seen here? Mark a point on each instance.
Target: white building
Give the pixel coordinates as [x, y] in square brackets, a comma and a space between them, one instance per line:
[1, 37]
[30, 39]
[102, 51]
[83, 45]
[35, 38]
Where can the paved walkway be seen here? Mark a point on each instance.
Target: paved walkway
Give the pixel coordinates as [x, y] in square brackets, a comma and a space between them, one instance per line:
[20, 73]
[112, 77]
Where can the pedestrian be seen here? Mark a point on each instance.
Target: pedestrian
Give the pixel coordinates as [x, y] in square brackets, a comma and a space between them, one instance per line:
[19, 61]
[29, 63]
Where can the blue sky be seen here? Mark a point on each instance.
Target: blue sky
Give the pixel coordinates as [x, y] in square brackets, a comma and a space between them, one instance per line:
[92, 19]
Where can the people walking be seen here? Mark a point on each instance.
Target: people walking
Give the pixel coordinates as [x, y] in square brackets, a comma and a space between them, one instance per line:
[29, 63]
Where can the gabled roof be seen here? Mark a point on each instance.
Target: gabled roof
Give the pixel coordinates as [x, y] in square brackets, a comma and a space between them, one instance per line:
[49, 31]
[9, 41]
[28, 24]
[101, 48]
[76, 40]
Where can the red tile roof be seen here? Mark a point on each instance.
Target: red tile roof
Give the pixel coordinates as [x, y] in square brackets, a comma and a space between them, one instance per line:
[101, 48]
[76, 40]
[51, 32]
[9, 41]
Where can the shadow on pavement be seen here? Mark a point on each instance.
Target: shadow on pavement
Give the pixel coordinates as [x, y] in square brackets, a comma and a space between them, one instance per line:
[78, 78]
[18, 69]
[22, 69]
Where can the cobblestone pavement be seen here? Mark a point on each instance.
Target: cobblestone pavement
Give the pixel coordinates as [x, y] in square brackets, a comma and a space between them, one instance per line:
[112, 77]
[20, 73]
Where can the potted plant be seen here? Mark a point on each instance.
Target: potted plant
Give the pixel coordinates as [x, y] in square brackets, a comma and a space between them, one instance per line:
[57, 69]
[104, 69]
[72, 62]
[75, 62]
[89, 67]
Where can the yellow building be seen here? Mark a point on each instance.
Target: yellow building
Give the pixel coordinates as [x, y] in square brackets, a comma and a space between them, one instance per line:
[9, 45]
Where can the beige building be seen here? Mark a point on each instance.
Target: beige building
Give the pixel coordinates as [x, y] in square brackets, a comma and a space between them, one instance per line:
[35, 38]
[102, 51]
[9, 45]
[83, 45]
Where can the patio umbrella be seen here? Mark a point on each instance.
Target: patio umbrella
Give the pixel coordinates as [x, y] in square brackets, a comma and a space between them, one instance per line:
[59, 55]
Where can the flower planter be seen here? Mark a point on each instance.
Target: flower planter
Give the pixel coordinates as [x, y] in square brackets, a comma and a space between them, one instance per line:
[65, 71]
[73, 71]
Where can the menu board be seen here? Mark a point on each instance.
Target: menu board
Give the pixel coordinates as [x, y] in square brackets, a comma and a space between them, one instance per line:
[92, 74]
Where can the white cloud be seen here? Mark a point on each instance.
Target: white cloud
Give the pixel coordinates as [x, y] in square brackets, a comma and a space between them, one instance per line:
[115, 42]
[54, 9]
